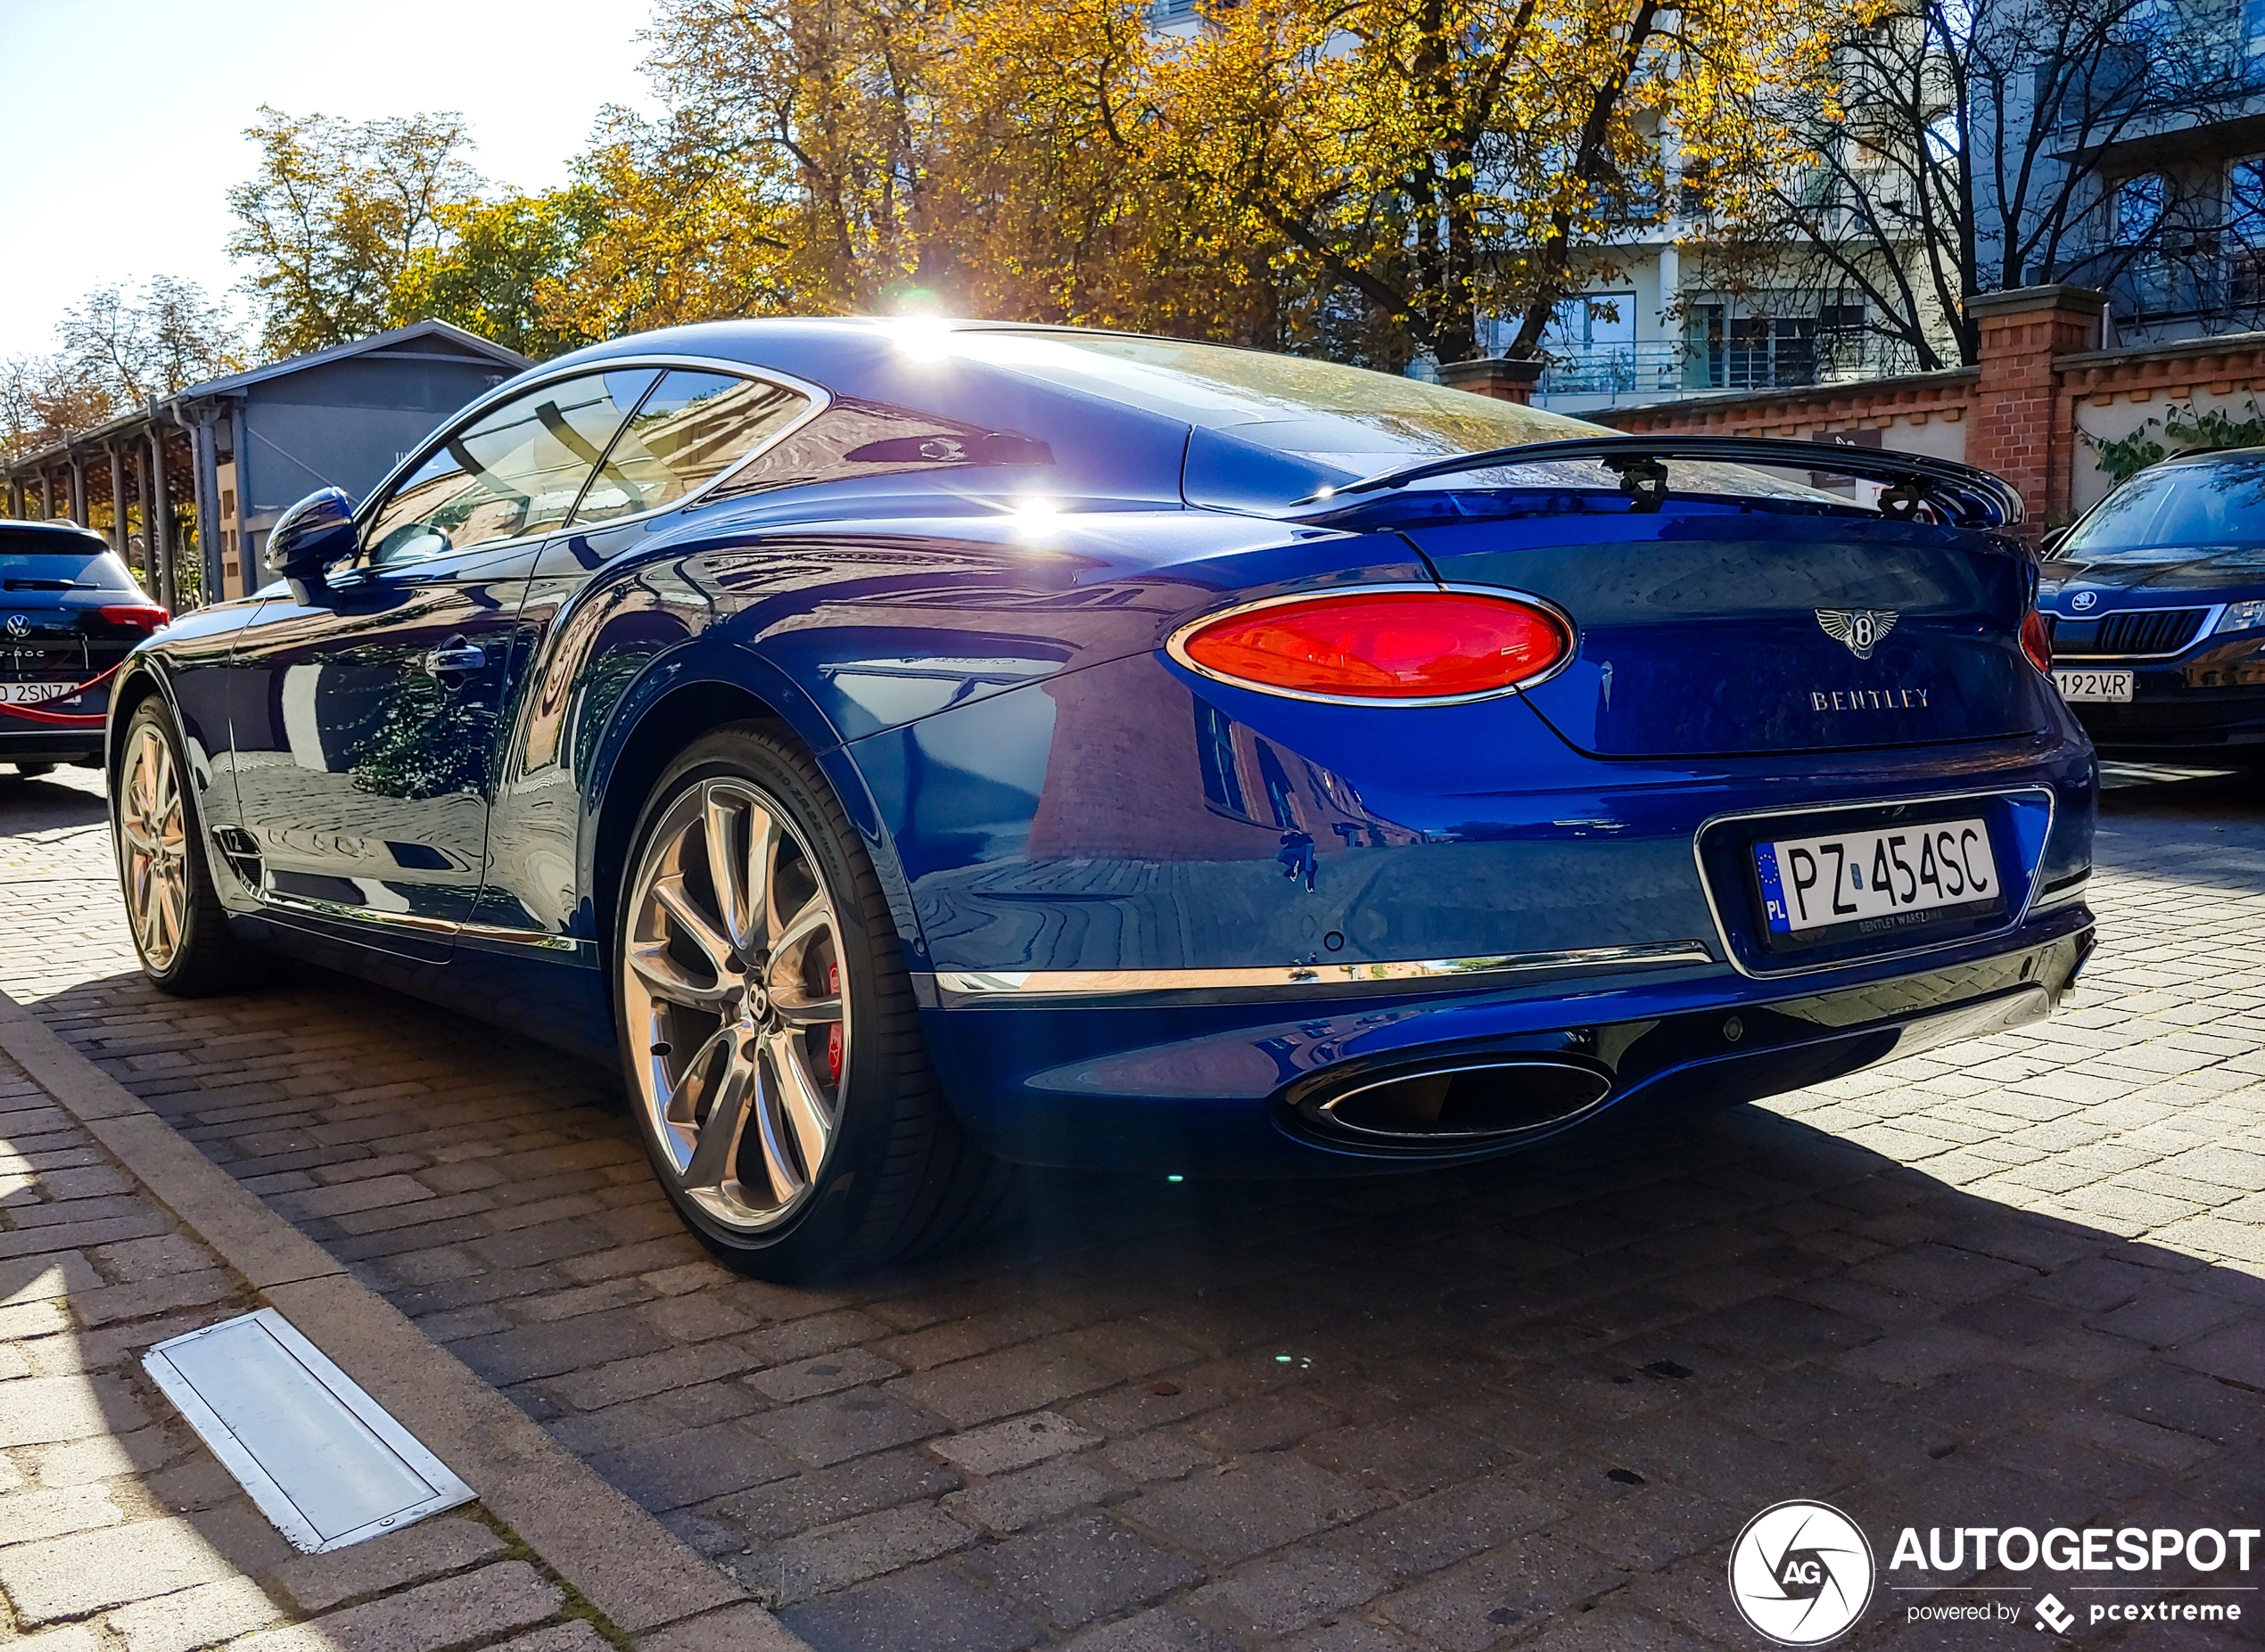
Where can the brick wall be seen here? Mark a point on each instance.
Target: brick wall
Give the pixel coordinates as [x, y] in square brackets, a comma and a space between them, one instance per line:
[1918, 413]
[2106, 395]
[2033, 409]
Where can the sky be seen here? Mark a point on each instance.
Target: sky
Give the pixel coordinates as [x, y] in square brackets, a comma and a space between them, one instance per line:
[121, 121]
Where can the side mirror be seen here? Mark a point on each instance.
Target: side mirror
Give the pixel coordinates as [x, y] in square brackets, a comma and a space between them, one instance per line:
[308, 537]
[2054, 537]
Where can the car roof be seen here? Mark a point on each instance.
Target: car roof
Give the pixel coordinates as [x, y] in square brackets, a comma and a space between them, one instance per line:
[68, 535]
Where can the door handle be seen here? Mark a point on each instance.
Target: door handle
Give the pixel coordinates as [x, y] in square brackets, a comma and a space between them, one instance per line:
[454, 657]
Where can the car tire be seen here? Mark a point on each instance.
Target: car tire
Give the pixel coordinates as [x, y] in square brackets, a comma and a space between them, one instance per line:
[831, 1147]
[182, 939]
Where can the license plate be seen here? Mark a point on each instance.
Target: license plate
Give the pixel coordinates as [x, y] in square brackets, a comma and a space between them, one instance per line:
[1883, 882]
[2114, 686]
[32, 693]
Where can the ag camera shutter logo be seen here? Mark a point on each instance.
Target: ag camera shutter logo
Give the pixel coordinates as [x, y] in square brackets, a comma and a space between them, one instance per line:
[1802, 1572]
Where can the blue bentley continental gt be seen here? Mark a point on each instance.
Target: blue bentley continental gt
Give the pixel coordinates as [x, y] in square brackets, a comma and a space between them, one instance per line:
[912, 749]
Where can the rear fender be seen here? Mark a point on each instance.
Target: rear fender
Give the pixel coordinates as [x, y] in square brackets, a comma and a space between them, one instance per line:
[712, 662]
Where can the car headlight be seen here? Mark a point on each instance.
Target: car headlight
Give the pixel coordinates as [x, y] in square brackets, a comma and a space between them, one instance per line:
[2240, 617]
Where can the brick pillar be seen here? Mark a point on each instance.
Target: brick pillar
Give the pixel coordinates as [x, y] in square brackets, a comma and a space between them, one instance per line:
[2015, 431]
[1503, 378]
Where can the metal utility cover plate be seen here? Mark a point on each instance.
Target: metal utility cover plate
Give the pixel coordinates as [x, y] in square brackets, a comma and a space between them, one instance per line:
[324, 1461]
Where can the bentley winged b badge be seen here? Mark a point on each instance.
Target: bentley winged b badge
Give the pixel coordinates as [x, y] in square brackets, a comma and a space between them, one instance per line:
[1861, 628]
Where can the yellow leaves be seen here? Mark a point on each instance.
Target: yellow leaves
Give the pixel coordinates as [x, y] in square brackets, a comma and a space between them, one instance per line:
[1363, 178]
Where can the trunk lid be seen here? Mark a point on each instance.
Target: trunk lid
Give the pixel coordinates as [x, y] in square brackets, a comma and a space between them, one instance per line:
[1720, 630]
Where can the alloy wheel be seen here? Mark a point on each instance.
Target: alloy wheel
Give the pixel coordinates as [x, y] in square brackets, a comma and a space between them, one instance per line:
[732, 981]
[154, 822]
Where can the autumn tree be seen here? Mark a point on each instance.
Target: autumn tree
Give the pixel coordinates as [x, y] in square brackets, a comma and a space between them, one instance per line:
[501, 268]
[1453, 158]
[156, 342]
[696, 224]
[1362, 179]
[338, 214]
[827, 110]
[115, 350]
[1947, 148]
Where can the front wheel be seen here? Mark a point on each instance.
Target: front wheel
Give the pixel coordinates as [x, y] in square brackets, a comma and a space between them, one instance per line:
[180, 929]
[773, 1049]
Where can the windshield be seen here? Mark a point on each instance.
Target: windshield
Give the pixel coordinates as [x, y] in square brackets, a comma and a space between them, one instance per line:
[1355, 420]
[63, 570]
[2174, 511]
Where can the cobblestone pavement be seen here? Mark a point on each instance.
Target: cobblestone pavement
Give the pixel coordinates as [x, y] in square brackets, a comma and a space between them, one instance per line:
[2014, 1282]
[119, 1531]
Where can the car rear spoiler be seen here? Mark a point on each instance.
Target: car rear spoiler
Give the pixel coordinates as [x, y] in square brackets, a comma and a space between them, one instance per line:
[1967, 497]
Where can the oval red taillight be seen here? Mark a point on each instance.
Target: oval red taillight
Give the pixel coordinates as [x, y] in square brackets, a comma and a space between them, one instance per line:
[2037, 641]
[1413, 644]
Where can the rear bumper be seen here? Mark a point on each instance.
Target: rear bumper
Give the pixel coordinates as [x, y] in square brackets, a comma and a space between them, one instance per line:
[2168, 716]
[1227, 1087]
[25, 745]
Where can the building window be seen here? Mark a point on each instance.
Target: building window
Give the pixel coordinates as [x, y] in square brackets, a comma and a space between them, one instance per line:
[1591, 321]
[1738, 352]
[2245, 226]
[1215, 758]
[1279, 790]
[2140, 202]
[1842, 332]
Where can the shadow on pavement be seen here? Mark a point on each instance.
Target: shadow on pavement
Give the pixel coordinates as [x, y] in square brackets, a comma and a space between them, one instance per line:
[1466, 1402]
[43, 804]
[1442, 1410]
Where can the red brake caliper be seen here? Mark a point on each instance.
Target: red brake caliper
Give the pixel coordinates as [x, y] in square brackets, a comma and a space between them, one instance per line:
[833, 1032]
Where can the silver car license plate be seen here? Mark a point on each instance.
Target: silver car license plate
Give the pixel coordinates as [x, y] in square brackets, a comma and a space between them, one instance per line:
[32, 693]
[1876, 882]
[2111, 686]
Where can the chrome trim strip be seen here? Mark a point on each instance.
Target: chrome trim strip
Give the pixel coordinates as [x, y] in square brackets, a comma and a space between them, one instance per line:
[1176, 644]
[2067, 894]
[1019, 985]
[416, 922]
[539, 940]
[1722, 931]
[2211, 614]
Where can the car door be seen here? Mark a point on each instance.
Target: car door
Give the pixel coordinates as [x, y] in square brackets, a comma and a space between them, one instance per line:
[697, 426]
[365, 772]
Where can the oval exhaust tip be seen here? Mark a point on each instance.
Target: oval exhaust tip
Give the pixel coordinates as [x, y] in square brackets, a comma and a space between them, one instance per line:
[1463, 1102]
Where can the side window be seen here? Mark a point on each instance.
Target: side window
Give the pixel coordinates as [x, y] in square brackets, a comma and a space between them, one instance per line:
[514, 471]
[689, 430]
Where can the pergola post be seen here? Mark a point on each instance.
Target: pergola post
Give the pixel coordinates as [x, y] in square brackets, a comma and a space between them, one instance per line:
[160, 521]
[78, 489]
[149, 518]
[46, 500]
[205, 481]
[117, 500]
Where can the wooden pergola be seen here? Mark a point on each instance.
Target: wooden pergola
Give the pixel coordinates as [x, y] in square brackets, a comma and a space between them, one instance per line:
[136, 478]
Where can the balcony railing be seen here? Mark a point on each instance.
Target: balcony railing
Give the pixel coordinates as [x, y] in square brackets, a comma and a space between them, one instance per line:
[1665, 367]
[1644, 370]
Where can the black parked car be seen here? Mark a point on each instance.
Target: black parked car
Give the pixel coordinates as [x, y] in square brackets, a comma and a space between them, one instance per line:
[2157, 602]
[68, 614]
